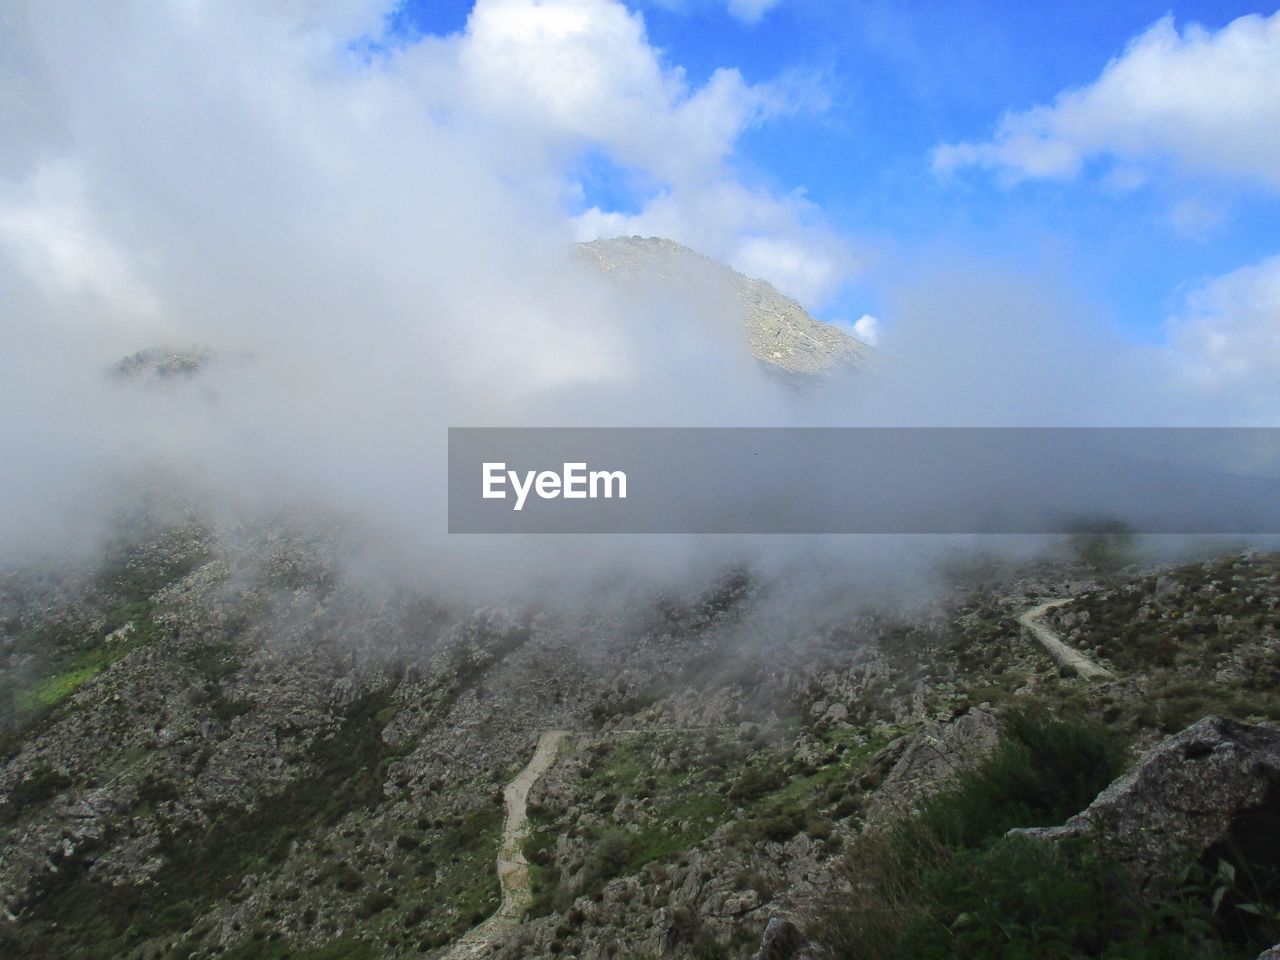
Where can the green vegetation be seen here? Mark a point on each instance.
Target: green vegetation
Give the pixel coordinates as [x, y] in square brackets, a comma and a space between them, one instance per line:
[952, 884]
[809, 800]
[1178, 618]
[459, 862]
[65, 661]
[1204, 635]
[1042, 772]
[66, 649]
[682, 787]
[83, 918]
[683, 804]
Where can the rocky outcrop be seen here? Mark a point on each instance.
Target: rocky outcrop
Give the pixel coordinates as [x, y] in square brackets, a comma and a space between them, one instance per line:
[1190, 792]
[921, 763]
[782, 940]
[162, 363]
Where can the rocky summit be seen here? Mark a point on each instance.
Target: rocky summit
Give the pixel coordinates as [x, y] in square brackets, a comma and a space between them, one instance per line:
[780, 334]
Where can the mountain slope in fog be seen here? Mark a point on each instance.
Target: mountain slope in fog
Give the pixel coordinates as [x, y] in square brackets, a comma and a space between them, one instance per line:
[217, 744]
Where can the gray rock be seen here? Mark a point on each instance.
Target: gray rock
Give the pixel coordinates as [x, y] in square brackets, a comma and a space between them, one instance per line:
[162, 363]
[782, 940]
[926, 760]
[1183, 796]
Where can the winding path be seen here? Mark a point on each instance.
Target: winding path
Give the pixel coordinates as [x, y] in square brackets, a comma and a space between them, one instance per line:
[513, 868]
[1033, 621]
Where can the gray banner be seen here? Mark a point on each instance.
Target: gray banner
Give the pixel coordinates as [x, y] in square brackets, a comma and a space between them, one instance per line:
[864, 480]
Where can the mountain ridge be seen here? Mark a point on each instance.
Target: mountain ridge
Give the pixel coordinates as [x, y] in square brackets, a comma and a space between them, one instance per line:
[780, 333]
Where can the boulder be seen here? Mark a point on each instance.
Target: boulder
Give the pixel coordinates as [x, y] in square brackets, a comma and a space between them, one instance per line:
[1196, 789]
[920, 764]
[782, 940]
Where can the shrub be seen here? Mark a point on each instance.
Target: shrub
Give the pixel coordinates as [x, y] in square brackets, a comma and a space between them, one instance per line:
[1042, 771]
[375, 902]
[951, 884]
[607, 860]
[754, 782]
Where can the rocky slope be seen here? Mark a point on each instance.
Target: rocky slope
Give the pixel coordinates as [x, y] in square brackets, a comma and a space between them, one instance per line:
[779, 332]
[217, 743]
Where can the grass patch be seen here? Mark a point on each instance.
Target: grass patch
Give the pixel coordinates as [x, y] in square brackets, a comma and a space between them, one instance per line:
[67, 663]
[951, 884]
[1042, 772]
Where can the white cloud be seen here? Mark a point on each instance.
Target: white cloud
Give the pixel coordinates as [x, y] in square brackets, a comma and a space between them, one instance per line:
[548, 80]
[1205, 101]
[1196, 217]
[571, 72]
[1226, 341]
[867, 329]
[750, 11]
[49, 231]
[779, 239]
[383, 232]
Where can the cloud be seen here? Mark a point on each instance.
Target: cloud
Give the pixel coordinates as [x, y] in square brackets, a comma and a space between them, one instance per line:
[379, 228]
[573, 72]
[1225, 342]
[1196, 217]
[1201, 101]
[782, 240]
[570, 75]
[750, 11]
[47, 227]
[384, 235]
[551, 81]
[867, 329]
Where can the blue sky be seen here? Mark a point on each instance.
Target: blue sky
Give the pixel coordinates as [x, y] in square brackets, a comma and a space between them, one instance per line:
[892, 82]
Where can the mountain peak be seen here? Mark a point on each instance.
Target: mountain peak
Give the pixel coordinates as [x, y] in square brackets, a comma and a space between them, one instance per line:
[780, 333]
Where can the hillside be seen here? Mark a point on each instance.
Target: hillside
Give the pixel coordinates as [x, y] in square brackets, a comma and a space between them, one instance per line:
[220, 747]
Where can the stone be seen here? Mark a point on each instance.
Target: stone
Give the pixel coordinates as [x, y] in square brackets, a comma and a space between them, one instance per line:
[1186, 794]
[782, 940]
[920, 764]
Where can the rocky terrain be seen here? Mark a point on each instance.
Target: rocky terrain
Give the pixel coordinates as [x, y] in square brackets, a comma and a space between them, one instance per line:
[217, 743]
[780, 334]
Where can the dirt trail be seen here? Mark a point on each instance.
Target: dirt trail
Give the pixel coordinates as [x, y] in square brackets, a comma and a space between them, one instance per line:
[513, 868]
[1033, 621]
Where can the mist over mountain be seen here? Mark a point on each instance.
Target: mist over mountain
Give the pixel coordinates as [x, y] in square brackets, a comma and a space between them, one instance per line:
[779, 331]
[257, 702]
